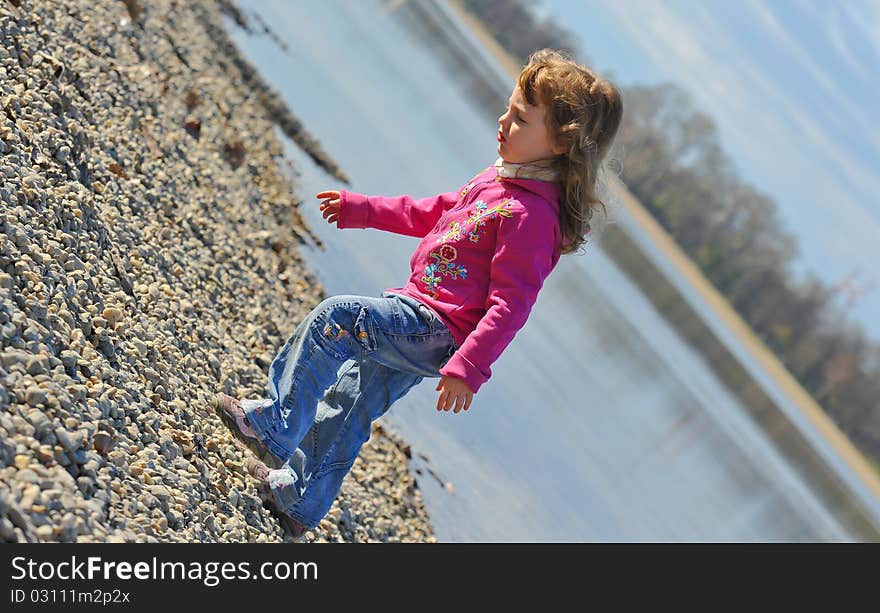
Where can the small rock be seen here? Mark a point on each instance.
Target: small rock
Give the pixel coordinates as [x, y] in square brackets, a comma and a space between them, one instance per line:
[61, 457]
[161, 492]
[35, 365]
[13, 356]
[7, 529]
[86, 485]
[69, 359]
[118, 457]
[67, 441]
[112, 314]
[160, 525]
[41, 423]
[46, 454]
[103, 442]
[35, 396]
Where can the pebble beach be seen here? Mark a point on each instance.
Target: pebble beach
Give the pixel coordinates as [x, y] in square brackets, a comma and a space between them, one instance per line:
[149, 258]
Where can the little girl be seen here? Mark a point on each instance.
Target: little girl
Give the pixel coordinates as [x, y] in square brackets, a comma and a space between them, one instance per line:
[485, 252]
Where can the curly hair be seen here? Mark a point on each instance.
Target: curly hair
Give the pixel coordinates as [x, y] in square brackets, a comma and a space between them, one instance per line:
[583, 114]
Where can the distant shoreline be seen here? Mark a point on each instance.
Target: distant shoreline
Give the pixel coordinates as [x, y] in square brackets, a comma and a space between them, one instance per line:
[756, 348]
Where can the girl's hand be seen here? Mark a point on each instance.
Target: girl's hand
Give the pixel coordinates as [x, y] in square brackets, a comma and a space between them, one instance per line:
[453, 392]
[329, 205]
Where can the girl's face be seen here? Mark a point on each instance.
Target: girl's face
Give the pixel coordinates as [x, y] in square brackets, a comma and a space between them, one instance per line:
[522, 134]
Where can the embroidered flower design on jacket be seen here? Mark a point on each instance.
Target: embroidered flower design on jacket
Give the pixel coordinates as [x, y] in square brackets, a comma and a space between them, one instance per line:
[453, 233]
[444, 258]
[443, 265]
[480, 214]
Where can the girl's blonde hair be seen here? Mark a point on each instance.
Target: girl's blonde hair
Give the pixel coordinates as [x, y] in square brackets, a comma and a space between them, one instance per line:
[583, 113]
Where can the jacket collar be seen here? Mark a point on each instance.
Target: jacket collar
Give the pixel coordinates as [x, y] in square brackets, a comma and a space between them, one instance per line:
[541, 170]
[525, 176]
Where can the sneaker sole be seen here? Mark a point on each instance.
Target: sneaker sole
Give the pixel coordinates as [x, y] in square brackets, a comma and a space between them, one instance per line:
[292, 527]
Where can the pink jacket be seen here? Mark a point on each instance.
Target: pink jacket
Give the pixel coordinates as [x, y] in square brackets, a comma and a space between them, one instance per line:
[485, 252]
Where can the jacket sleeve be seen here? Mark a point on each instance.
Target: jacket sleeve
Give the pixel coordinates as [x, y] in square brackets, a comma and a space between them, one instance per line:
[524, 257]
[401, 214]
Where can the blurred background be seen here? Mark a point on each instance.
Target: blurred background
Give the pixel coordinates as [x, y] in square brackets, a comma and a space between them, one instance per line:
[709, 368]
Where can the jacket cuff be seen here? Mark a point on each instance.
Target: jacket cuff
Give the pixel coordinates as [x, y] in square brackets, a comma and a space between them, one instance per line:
[353, 210]
[460, 367]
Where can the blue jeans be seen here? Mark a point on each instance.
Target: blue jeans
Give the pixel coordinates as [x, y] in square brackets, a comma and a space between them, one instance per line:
[342, 368]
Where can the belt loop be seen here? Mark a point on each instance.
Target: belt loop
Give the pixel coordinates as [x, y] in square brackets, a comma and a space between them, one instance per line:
[366, 336]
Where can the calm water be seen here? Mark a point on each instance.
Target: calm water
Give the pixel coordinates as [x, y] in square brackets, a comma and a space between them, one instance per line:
[598, 422]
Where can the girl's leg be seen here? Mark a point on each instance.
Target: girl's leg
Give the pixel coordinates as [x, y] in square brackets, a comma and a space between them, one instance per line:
[338, 329]
[307, 486]
[393, 341]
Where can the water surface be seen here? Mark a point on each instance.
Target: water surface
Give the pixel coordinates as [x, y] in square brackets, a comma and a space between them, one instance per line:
[599, 423]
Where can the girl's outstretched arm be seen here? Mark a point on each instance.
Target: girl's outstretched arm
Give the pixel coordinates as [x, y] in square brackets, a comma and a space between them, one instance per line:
[400, 214]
